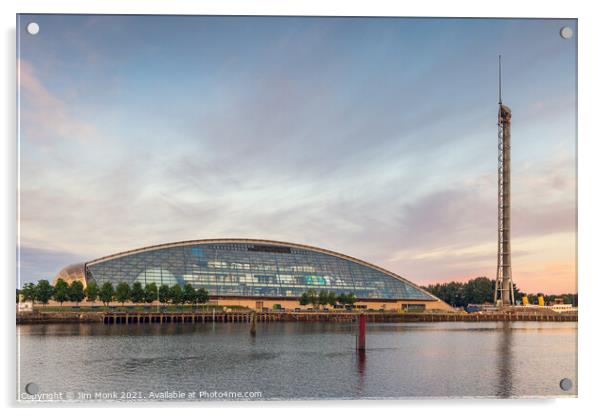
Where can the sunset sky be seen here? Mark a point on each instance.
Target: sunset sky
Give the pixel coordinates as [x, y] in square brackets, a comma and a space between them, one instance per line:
[373, 137]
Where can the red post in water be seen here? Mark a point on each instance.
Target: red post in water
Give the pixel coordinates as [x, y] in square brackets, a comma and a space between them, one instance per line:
[361, 337]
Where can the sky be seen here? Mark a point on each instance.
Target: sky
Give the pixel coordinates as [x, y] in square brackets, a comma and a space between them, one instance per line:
[373, 137]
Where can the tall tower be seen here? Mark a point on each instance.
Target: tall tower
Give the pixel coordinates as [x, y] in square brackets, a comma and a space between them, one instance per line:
[504, 288]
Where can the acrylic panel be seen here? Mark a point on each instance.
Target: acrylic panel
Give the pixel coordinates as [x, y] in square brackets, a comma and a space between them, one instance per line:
[295, 208]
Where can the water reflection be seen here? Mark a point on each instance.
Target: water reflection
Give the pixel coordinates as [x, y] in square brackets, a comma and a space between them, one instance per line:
[505, 372]
[361, 370]
[424, 360]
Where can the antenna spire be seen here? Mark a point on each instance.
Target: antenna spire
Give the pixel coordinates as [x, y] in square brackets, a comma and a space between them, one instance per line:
[500, 79]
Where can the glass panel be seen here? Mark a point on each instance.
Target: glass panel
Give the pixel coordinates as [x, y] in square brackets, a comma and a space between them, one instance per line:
[252, 270]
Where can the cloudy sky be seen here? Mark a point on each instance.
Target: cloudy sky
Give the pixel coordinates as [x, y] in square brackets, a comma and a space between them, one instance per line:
[376, 138]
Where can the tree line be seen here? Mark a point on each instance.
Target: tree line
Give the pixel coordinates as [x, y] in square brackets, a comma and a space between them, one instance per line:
[481, 290]
[43, 292]
[324, 298]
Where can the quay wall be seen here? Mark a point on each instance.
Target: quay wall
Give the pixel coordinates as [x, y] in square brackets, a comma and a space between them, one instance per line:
[237, 317]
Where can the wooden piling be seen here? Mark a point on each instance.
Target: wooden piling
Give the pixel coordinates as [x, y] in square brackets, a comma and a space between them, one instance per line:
[254, 324]
[361, 337]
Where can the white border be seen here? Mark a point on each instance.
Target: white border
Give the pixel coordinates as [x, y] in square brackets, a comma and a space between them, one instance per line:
[590, 205]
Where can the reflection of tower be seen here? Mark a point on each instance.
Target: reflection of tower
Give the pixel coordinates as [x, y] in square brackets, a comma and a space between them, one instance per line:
[504, 288]
[504, 386]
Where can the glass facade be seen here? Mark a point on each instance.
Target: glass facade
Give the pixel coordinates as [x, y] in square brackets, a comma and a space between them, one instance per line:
[254, 270]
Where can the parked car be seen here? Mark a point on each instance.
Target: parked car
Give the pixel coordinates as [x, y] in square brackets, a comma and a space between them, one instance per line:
[472, 308]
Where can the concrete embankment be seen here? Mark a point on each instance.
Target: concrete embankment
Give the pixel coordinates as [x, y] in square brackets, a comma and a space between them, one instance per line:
[58, 317]
[226, 317]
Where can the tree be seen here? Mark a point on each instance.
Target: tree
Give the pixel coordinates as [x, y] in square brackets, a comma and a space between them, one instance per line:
[28, 291]
[332, 299]
[92, 291]
[455, 293]
[61, 291]
[122, 292]
[202, 296]
[304, 299]
[313, 298]
[323, 298]
[479, 290]
[351, 299]
[164, 293]
[571, 298]
[106, 293]
[150, 292]
[76, 291]
[189, 294]
[176, 294]
[43, 291]
[18, 295]
[452, 292]
[137, 293]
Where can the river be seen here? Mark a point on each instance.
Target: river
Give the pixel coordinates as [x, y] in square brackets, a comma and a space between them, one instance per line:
[291, 361]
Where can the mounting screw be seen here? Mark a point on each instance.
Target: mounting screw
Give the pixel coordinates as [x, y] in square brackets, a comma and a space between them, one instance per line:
[566, 384]
[33, 28]
[566, 32]
[32, 388]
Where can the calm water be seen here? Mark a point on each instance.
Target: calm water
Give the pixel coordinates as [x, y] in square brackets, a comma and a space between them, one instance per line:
[301, 360]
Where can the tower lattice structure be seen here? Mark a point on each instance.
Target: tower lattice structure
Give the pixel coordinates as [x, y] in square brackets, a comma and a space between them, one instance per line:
[504, 287]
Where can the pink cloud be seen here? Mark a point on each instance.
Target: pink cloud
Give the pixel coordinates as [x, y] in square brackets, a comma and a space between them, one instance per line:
[44, 116]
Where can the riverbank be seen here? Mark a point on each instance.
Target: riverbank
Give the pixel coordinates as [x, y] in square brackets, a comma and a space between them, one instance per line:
[200, 317]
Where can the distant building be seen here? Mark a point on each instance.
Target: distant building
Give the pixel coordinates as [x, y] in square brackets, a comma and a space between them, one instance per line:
[25, 306]
[562, 307]
[257, 274]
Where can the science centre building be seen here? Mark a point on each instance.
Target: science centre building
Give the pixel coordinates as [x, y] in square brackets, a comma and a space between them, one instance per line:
[257, 274]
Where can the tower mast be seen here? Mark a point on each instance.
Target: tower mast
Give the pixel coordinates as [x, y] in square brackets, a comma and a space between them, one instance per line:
[504, 288]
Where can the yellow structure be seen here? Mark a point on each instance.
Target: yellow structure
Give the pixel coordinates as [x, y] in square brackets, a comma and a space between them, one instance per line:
[540, 300]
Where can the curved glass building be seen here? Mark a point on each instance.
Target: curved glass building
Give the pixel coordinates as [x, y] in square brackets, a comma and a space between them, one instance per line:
[259, 273]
